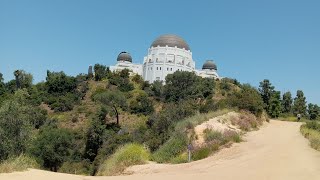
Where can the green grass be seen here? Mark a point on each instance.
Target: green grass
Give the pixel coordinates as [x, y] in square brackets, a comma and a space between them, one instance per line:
[128, 155]
[204, 152]
[311, 131]
[20, 163]
[172, 148]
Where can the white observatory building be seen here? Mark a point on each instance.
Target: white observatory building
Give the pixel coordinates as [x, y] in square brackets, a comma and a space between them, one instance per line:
[166, 55]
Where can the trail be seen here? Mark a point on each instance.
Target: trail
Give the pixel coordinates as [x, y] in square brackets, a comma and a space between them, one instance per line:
[277, 151]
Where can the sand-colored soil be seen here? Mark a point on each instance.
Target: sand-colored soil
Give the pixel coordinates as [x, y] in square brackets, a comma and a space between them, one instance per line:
[276, 152]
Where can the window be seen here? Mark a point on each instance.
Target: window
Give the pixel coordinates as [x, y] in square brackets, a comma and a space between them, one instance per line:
[157, 68]
[171, 69]
[160, 68]
[167, 69]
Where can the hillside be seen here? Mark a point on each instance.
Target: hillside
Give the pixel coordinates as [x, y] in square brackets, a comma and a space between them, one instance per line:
[102, 124]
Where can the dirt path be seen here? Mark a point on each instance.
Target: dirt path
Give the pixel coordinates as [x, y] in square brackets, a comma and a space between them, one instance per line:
[277, 151]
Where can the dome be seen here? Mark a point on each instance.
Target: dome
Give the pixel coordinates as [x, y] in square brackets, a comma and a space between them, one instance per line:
[209, 64]
[124, 56]
[170, 40]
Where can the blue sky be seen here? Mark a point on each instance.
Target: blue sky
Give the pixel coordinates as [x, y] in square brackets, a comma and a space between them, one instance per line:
[250, 40]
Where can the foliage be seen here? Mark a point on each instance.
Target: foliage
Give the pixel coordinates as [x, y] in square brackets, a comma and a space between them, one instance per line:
[16, 121]
[23, 79]
[128, 155]
[248, 99]
[299, 104]
[172, 148]
[121, 80]
[141, 105]
[287, 102]
[52, 147]
[313, 111]
[94, 136]
[311, 131]
[274, 109]
[100, 72]
[113, 99]
[183, 85]
[19, 163]
[266, 90]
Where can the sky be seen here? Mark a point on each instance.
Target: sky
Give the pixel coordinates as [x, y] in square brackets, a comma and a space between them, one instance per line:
[249, 40]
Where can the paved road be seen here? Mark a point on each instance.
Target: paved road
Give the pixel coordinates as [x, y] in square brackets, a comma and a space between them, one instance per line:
[276, 152]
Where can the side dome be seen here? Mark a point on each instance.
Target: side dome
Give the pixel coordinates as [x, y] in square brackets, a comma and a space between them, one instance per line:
[124, 56]
[209, 64]
[170, 40]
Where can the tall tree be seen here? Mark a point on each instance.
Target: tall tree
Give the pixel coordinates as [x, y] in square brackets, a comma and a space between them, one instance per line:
[287, 102]
[23, 79]
[115, 100]
[299, 104]
[313, 111]
[2, 85]
[100, 72]
[266, 89]
[274, 109]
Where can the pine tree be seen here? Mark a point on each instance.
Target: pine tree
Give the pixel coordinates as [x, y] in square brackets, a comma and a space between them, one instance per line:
[299, 105]
[287, 102]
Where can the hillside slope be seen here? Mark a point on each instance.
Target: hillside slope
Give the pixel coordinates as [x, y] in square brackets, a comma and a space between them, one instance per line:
[277, 151]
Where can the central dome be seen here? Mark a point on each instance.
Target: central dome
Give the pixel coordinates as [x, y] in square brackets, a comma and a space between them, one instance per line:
[170, 40]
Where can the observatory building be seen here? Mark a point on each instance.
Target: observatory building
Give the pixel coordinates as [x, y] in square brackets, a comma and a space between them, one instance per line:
[166, 55]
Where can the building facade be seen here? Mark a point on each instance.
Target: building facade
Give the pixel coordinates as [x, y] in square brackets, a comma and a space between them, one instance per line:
[166, 55]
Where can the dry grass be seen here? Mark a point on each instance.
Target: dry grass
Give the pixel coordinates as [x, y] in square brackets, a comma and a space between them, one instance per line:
[20, 163]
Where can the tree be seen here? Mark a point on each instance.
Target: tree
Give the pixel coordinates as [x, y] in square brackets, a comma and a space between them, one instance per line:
[23, 79]
[100, 72]
[2, 85]
[94, 135]
[266, 89]
[299, 104]
[248, 98]
[182, 85]
[52, 147]
[313, 111]
[274, 109]
[59, 83]
[141, 105]
[16, 120]
[113, 99]
[157, 89]
[287, 102]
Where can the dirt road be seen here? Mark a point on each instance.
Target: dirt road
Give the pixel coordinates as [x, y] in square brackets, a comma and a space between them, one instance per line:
[276, 152]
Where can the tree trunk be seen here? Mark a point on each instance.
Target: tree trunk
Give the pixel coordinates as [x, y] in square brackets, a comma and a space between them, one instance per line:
[117, 114]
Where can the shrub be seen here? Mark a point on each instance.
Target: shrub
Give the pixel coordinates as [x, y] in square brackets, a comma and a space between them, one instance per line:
[80, 168]
[309, 132]
[128, 155]
[212, 135]
[230, 135]
[204, 152]
[182, 158]
[20, 163]
[173, 147]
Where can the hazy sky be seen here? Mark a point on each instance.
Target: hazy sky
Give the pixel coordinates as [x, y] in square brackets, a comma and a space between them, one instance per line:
[249, 40]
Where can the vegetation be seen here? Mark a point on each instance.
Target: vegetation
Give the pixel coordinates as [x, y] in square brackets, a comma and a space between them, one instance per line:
[19, 163]
[91, 124]
[128, 155]
[311, 130]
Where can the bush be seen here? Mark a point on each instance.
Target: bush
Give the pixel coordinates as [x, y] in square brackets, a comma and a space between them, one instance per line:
[204, 152]
[20, 163]
[128, 155]
[212, 135]
[311, 132]
[182, 158]
[52, 147]
[173, 147]
[80, 168]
